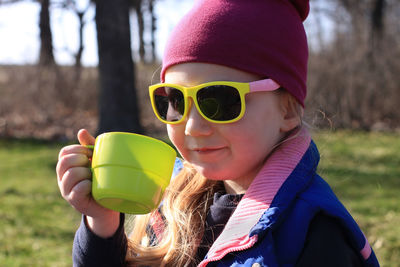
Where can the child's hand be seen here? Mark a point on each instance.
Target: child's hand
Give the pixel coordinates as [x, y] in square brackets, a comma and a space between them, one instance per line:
[74, 180]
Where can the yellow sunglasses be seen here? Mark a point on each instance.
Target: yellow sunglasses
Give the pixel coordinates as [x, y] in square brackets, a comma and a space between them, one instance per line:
[217, 102]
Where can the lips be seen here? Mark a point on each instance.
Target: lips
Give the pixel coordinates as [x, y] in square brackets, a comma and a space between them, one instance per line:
[209, 154]
[207, 149]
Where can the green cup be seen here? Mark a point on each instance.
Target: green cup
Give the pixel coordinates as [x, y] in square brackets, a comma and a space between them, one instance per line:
[130, 171]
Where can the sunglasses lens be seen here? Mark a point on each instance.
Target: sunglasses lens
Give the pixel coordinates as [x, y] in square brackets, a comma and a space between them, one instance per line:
[169, 103]
[219, 102]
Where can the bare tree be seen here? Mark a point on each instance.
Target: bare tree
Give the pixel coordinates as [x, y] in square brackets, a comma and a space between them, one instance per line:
[118, 100]
[72, 5]
[46, 56]
[354, 78]
[377, 23]
[143, 8]
[153, 30]
[137, 6]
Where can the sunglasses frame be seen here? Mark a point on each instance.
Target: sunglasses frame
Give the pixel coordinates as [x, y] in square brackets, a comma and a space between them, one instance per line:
[265, 85]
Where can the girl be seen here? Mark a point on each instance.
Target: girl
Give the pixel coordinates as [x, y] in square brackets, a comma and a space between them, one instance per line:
[247, 193]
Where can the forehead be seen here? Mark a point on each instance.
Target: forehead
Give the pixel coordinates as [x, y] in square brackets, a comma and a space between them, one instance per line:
[194, 73]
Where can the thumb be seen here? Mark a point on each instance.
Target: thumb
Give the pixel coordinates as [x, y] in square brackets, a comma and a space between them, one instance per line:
[85, 138]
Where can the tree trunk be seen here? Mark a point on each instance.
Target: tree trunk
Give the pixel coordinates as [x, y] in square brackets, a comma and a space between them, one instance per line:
[118, 108]
[377, 15]
[140, 20]
[153, 30]
[78, 55]
[377, 25]
[46, 56]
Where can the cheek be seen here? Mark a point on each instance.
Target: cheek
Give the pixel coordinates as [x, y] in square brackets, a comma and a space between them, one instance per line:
[172, 133]
[255, 137]
[176, 135]
[246, 142]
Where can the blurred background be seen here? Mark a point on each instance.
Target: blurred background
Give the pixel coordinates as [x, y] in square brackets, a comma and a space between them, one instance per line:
[71, 64]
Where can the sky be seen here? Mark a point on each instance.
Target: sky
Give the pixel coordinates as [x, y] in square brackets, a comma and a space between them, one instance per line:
[19, 31]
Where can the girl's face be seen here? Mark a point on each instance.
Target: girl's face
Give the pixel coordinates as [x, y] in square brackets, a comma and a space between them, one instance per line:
[232, 152]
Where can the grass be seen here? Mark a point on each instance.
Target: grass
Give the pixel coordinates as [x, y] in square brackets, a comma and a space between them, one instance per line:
[37, 225]
[364, 171]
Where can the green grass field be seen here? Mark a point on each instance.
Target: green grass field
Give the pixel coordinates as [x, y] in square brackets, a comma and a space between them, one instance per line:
[37, 225]
[364, 171]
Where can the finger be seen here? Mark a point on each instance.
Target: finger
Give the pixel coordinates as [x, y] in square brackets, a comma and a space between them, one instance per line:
[85, 138]
[70, 161]
[72, 177]
[80, 194]
[75, 149]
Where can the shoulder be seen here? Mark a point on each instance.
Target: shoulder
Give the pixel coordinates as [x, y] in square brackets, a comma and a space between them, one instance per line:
[316, 225]
[326, 244]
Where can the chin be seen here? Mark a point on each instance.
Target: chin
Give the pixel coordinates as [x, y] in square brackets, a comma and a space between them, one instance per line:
[212, 174]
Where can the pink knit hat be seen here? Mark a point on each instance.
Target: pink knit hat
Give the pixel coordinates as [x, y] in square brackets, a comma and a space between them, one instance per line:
[264, 37]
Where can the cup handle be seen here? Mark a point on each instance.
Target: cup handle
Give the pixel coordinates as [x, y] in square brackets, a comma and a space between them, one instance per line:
[92, 148]
[89, 146]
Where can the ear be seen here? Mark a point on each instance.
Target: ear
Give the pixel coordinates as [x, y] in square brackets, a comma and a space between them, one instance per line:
[291, 112]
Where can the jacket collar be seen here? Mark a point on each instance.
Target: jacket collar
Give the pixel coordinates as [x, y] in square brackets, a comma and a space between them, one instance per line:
[259, 196]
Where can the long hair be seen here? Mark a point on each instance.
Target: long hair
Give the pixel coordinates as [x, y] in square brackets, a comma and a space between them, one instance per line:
[185, 206]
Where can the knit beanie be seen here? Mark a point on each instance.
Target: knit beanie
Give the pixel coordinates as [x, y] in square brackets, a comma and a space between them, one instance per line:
[263, 37]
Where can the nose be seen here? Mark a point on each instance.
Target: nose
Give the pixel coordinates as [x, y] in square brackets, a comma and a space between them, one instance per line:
[196, 125]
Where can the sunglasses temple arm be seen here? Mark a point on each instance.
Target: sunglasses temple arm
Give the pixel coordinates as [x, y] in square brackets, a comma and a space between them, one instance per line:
[263, 85]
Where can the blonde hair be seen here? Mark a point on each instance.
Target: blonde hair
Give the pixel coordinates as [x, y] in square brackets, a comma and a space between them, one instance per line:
[185, 205]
